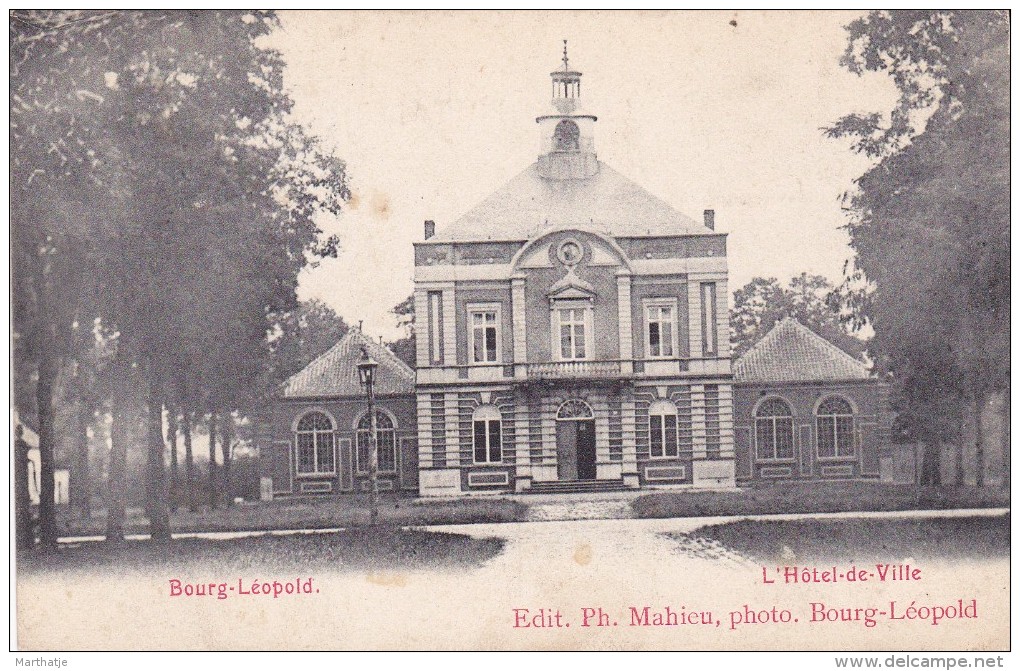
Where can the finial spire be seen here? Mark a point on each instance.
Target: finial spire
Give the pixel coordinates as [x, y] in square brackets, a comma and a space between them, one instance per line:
[566, 61]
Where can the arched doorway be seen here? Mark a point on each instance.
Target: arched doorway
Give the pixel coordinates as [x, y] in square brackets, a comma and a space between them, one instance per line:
[575, 441]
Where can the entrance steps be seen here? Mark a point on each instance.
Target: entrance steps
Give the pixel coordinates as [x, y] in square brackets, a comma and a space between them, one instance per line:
[577, 487]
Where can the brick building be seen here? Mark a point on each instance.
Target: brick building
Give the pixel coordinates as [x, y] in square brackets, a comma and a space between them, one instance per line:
[572, 334]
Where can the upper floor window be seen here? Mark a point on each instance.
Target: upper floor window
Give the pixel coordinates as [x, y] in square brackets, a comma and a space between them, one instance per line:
[314, 437]
[662, 434]
[773, 430]
[386, 437]
[487, 435]
[835, 425]
[573, 333]
[484, 323]
[660, 328]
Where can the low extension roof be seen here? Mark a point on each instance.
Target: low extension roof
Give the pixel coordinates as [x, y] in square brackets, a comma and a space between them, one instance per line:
[791, 352]
[608, 202]
[335, 372]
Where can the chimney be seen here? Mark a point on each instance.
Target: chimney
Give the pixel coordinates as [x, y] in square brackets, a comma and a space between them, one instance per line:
[430, 228]
[710, 219]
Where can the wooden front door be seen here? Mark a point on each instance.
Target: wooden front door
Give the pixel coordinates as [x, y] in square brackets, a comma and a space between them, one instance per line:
[575, 449]
[566, 450]
[586, 449]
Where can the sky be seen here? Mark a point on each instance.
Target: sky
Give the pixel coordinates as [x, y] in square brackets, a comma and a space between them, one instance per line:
[707, 110]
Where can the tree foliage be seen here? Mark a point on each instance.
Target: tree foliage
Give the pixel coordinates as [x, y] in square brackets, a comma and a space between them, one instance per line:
[762, 302]
[930, 221]
[159, 187]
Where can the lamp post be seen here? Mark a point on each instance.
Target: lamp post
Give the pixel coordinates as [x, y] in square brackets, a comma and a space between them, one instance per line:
[366, 374]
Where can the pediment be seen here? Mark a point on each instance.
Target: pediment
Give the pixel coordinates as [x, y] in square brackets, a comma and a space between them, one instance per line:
[571, 287]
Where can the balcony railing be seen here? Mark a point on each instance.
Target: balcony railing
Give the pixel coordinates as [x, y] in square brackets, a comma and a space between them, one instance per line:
[563, 370]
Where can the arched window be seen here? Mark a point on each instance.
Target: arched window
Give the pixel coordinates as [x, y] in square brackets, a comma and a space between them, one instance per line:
[567, 136]
[835, 426]
[488, 433]
[387, 437]
[314, 438]
[662, 435]
[574, 409]
[773, 429]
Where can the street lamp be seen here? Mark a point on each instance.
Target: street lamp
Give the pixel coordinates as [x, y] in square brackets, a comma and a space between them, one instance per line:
[366, 374]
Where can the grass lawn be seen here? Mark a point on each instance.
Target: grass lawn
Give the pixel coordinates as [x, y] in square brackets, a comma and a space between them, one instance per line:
[381, 548]
[786, 541]
[319, 513]
[798, 497]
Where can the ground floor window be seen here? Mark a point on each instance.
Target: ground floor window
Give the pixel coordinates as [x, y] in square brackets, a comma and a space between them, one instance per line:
[487, 435]
[835, 426]
[773, 429]
[662, 429]
[385, 434]
[314, 441]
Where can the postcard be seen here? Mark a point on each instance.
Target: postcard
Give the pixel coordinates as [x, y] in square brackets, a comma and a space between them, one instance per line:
[580, 330]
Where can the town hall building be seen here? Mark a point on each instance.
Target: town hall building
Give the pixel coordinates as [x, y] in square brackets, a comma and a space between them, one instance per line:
[572, 335]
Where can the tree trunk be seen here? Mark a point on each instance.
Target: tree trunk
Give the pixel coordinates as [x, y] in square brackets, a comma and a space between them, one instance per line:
[1005, 439]
[44, 408]
[212, 459]
[24, 538]
[227, 437]
[979, 439]
[931, 465]
[81, 482]
[189, 463]
[116, 485]
[171, 437]
[960, 447]
[156, 486]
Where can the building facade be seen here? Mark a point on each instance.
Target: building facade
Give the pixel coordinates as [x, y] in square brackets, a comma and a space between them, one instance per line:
[572, 334]
[572, 327]
[804, 409]
[319, 428]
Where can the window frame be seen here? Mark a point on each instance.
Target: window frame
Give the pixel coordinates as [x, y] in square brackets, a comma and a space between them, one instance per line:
[359, 467]
[490, 416]
[709, 319]
[484, 309]
[557, 326]
[315, 433]
[663, 430]
[435, 326]
[852, 416]
[775, 458]
[659, 303]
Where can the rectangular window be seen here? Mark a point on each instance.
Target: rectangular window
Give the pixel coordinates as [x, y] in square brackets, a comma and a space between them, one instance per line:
[662, 434]
[488, 448]
[436, 326]
[484, 328]
[709, 327]
[660, 331]
[573, 339]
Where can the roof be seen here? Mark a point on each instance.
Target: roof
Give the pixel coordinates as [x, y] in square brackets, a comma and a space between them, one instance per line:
[335, 372]
[607, 202]
[791, 352]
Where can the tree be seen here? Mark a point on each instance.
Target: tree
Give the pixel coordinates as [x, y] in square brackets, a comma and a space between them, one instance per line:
[761, 303]
[930, 221]
[303, 335]
[405, 348]
[158, 181]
